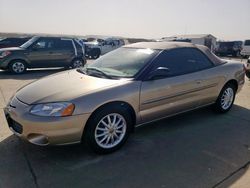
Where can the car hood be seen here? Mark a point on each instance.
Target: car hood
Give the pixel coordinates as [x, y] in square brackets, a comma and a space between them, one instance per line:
[64, 86]
[11, 49]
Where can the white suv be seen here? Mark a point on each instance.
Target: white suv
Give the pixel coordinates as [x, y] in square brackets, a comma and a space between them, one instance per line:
[98, 47]
[245, 52]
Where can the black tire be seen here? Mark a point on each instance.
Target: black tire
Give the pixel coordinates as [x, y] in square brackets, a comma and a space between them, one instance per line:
[95, 53]
[89, 136]
[219, 107]
[237, 54]
[248, 74]
[77, 63]
[17, 67]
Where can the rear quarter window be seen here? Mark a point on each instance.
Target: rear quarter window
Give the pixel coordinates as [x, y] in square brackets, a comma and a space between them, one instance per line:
[64, 44]
[201, 60]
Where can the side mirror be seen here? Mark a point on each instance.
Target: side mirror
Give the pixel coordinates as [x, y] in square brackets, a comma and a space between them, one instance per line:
[159, 73]
[35, 47]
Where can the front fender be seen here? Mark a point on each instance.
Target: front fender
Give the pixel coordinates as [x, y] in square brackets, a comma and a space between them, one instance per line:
[128, 93]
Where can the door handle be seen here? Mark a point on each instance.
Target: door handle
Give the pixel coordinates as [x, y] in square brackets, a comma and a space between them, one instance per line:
[198, 81]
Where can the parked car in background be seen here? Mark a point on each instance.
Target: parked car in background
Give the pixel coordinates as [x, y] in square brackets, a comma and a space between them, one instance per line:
[96, 47]
[102, 102]
[43, 52]
[248, 68]
[229, 48]
[245, 52]
[13, 42]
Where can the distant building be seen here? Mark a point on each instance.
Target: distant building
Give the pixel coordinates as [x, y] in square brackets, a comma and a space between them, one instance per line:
[202, 39]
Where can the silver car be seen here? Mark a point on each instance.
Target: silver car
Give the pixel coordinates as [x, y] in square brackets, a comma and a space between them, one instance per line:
[104, 101]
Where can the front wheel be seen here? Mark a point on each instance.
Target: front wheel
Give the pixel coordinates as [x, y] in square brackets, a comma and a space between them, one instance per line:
[248, 74]
[17, 67]
[226, 98]
[108, 129]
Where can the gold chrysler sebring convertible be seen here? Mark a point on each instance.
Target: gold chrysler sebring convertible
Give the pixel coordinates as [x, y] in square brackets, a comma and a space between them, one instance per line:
[102, 102]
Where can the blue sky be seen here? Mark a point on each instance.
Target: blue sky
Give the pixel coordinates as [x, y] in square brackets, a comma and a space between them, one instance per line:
[226, 19]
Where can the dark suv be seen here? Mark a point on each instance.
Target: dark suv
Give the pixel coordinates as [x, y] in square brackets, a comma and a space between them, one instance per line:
[248, 68]
[43, 52]
[229, 48]
[13, 42]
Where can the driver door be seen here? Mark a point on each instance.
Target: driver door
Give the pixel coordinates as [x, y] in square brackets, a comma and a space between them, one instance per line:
[41, 53]
[177, 92]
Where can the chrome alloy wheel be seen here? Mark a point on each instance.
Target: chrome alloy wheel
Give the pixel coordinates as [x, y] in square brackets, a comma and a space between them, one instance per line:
[227, 98]
[110, 130]
[18, 67]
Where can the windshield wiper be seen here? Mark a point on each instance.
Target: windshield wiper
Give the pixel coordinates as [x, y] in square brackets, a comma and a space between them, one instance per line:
[99, 71]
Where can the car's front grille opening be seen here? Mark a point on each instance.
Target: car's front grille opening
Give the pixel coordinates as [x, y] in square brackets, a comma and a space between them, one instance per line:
[14, 125]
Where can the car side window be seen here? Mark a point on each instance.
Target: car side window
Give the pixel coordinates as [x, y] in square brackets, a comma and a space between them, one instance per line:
[64, 44]
[247, 43]
[44, 43]
[109, 42]
[178, 61]
[200, 59]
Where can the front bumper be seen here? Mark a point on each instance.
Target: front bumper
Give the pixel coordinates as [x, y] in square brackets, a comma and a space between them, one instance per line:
[4, 63]
[44, 130]
[245, 53]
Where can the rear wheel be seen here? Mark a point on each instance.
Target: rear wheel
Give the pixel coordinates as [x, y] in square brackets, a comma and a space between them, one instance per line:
[77, 63]
[17, 67]
[226, 98]
[237, 54]
[108, 129]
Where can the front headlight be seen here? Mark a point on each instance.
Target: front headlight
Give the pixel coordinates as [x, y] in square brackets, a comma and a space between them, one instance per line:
[60, 109]
[4, 54]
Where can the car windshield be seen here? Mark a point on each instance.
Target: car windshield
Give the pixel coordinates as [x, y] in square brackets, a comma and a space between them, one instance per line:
[123, 62]
[29, 42]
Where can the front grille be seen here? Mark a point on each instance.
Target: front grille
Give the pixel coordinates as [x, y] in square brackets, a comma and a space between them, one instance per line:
[14, 125]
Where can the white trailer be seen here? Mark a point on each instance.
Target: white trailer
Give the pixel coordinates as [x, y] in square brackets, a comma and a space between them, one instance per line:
[201, 39]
